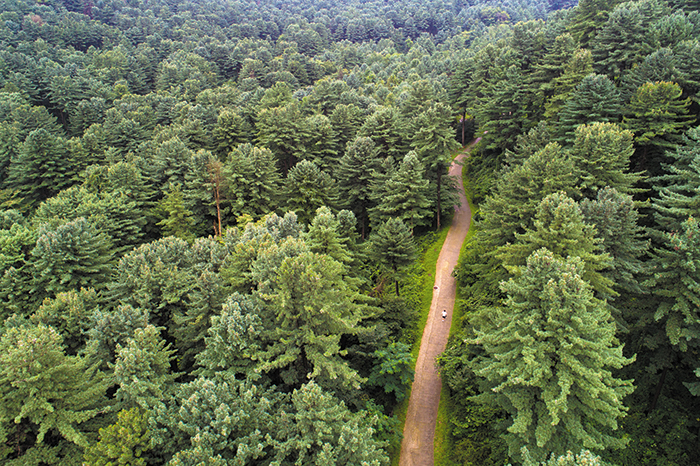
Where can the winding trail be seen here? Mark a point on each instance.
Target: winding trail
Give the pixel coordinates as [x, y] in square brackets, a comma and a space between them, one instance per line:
[421, 417]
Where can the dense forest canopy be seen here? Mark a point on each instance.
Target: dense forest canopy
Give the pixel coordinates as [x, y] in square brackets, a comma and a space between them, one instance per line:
[210, 214]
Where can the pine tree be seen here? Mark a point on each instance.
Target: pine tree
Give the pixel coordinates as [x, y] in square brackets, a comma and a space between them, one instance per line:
[392, 248]
[547, 359]
[678, 188]
[124, 441]
[307, 188]
[404, 195]
[233, 341]
[175, 218]
[616, 221]
[433, 141]
[657, 116]
[231, 130]
[43, 392]
[324, 237]
[602, 153]
[142, 369]
[675, 281]
[73, 256]
[251, 181]
[595, 99]
[308, 309]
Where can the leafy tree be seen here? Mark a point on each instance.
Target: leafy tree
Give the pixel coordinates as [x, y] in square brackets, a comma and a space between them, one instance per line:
[392, 370]
[392, 248]
[44, 394]
[108, 328]
[16, 243]
[124, 441]
[345, 121]
[547, 359]
[578, 67]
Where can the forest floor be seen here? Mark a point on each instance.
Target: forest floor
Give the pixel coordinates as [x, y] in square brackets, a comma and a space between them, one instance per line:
[421, 417]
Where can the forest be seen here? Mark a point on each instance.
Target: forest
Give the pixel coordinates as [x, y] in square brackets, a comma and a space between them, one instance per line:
[211, 215]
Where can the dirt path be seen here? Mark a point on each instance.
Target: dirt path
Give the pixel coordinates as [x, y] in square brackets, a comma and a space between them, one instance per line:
[419, 430]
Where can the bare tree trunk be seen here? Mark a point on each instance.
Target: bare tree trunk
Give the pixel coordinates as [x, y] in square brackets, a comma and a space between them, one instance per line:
[657, 393]
[439, 185]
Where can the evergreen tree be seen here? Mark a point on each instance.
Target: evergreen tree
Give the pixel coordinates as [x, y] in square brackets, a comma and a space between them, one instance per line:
[383, 127]
[404, 195]
[175, 219]
[559, 226]
[307, 188]
[231, 130]
[142, 369]
[124, 441]
[251, 181]
[354, 174]
[233, 339]
[308, 309]
[324, 236]
[547, 359]
[595, 99]
[73, 256]
[675, 282]
[44, 393]
[43, 167]
[433, 141]
[392, 248]
[345, 121]
[657, 116]
[616, 221]
[678, 188]
[602, 153]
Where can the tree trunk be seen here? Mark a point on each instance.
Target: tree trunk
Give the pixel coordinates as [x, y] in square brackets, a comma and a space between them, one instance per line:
[657, 393]
[396, 279]
[464, 124]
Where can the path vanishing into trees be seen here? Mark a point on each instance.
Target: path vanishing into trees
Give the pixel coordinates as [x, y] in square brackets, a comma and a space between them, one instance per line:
[421, 417]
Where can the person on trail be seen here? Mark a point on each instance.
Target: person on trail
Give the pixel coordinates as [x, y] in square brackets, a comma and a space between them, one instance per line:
[444, 314]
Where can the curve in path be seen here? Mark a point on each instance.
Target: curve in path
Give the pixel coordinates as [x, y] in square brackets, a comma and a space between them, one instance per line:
[421, 417]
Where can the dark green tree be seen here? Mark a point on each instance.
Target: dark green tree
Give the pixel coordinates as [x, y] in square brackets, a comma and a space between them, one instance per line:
[307, 188]
[73, 256]
[392, 248]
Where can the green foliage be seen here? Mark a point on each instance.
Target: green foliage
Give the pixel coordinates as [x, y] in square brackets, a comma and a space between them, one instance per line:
[123, 442]
[393, 370]
[392, 248]
[175, 218]
[142, 369]
[73, 256]
[44, 392]
[585, 458]
[307, 188]
[547, 360]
